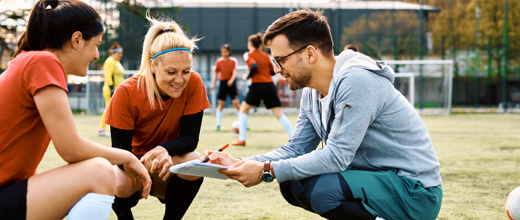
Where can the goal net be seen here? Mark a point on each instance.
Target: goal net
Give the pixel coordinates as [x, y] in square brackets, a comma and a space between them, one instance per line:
[94, 90]
[427, 84]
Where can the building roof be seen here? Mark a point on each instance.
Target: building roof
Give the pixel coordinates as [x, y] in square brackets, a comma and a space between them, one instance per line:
[351, 5]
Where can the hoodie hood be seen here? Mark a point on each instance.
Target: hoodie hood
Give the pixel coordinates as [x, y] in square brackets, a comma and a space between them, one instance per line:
[349, 59]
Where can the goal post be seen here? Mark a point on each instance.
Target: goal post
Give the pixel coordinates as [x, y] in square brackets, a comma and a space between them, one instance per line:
[430, 84]
[410, 92]
[94, 90]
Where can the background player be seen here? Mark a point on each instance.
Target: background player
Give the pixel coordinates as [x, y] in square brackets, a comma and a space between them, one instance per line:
[262, 88]
[114, 75]
[226, 66]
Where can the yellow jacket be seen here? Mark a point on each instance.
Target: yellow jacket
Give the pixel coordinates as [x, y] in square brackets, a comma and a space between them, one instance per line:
[113, 74]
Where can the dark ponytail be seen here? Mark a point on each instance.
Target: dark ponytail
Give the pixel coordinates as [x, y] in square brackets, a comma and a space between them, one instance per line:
[52, 23]
[256, 40]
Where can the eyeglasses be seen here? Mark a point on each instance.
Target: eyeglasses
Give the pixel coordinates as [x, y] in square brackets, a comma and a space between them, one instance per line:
[277, 61]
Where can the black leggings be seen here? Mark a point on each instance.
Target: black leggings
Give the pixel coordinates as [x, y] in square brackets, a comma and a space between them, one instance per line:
[327, 195]
[179, 195]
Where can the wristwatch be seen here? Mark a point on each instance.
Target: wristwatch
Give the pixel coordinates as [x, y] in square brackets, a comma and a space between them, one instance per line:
[267, 175]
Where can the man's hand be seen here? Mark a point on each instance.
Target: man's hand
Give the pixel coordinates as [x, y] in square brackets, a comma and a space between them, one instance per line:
[159, 161]
[246, 172]
[220, 158]
[212, 87]
[244, 77]
[134, 170]
[230, 83]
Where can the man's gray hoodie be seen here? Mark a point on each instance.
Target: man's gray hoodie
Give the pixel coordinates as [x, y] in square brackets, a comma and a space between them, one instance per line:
[372, 126]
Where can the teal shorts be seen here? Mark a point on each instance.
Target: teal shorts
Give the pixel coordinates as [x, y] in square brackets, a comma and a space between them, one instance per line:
[386, 195]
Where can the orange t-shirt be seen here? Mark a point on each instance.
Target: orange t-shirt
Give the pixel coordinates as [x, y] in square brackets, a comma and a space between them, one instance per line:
[264, 67]
[130, 109]
[225, 67]
[23, 136]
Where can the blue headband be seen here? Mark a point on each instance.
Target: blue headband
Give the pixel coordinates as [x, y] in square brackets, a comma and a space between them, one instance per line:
[169, 50]
[116, 49]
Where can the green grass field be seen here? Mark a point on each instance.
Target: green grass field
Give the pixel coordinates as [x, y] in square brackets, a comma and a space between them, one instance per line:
[479, 156]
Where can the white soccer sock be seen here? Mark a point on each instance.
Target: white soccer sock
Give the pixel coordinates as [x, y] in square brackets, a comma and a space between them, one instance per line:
[91, 206]
[219, 117]
[286, 124]
[242, 129]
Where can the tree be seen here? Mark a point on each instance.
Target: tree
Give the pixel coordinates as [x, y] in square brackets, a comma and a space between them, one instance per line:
[457, 24]
[12, 22]
[385, 33]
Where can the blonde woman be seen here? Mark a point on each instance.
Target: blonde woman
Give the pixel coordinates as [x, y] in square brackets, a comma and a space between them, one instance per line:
[114, 75]
[157, 115]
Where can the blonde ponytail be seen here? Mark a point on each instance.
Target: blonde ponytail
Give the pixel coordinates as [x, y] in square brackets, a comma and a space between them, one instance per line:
[156, 40]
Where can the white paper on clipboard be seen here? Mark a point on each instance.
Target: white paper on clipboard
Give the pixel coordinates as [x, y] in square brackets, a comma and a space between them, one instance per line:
[196, 168]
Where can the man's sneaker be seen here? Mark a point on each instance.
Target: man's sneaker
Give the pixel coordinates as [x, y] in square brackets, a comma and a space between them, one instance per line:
[218, 128]
[239, 143]
[103, 133]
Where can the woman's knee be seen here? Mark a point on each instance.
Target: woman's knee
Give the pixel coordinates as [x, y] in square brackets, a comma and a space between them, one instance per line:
[123, 188]
[277, 111]
[244, 108]
[101, 175]
[184, 158]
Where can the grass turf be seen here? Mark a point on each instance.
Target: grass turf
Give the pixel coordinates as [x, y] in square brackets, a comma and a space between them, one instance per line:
[479, 156]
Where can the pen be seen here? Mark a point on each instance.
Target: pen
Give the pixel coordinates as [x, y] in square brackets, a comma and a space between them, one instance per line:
[219, 150]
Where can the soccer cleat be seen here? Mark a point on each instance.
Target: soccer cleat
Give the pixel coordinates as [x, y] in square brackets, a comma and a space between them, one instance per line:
[103, 133]
[218, 128]
[239, 143]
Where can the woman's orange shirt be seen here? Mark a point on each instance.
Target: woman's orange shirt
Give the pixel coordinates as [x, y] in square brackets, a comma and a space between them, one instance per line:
[23, 136]
[130, 109]
[264, 67]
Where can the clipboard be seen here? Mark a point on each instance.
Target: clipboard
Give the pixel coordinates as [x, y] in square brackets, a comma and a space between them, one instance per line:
[196, 168]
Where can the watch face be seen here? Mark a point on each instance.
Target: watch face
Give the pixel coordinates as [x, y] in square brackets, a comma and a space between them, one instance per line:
[267, 177]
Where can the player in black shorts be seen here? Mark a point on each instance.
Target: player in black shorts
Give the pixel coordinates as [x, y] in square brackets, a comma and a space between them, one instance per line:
[226, 66]
[262, 88]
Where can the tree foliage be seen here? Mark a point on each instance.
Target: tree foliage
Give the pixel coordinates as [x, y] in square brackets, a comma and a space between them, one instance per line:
[458, 26]
[385, 33]
[11, 22]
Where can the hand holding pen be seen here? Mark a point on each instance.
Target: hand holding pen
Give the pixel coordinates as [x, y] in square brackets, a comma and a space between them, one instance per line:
[219, 150]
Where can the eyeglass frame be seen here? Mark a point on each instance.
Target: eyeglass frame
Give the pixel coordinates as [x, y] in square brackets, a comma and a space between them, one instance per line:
[277, 61]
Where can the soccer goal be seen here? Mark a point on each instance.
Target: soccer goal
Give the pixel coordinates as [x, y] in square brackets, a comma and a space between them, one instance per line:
[427, 84]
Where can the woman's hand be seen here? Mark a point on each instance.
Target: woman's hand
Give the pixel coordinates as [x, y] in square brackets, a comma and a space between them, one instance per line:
[159, 161]
[134, 169]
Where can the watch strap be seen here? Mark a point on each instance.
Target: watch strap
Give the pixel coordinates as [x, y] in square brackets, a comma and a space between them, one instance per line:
[267, 166]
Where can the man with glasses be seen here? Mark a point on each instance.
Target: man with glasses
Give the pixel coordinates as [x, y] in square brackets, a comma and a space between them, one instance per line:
[376, 160]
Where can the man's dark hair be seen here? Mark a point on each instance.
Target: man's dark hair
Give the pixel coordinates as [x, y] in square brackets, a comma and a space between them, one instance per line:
[303, 27]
